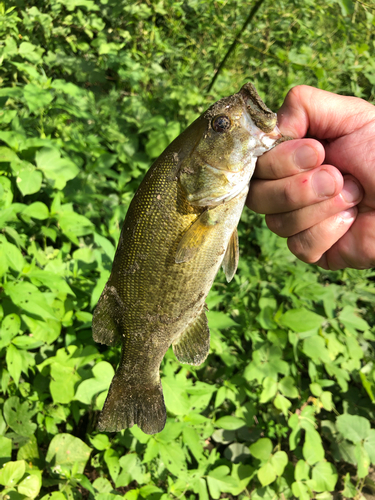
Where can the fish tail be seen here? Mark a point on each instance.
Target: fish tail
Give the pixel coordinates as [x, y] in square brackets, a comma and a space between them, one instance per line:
[130, 403]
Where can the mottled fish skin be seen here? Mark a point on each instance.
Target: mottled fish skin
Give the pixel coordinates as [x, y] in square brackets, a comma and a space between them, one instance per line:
[179, 225]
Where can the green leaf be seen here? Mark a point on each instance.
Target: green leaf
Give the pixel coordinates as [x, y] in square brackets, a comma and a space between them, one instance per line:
[12, 472]
[349, 318]
[302, 471]
[56, 169]
[103, 375]
[288, 388]
[10, 326]
[31, 485]
[279, 461]
[5, 450]
[219, 481]
[324, 476]
[29, 298]
[349, 488]
[36, 210]
[6, 194]
[62, 385]
[29, 181]
[301, 491]
[100, 442]
[313, 450]
[266, 474]
[113, 463]
[36, 97]
[73, 224]
[220, 320]
[14, 363]
[261, 449]
[229, 423]
[301, 320]
[67, 450]
[18, 416]
[363, 460]
[282, 404]
[353, 427]
[369, 444]
[269, 389]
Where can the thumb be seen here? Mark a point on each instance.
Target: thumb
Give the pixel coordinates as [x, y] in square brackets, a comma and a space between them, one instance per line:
[321, 114]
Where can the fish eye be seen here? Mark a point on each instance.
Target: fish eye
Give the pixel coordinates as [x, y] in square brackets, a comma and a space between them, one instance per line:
[221, 123]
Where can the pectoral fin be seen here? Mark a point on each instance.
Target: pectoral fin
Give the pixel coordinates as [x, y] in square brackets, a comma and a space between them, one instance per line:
[194, 344]
[196, 235]
[107, 317]
[231, 257]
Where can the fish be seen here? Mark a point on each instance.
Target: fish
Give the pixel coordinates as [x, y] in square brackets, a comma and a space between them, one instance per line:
[180, 228]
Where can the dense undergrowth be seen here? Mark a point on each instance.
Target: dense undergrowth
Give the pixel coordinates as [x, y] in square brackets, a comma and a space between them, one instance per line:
[91, 91]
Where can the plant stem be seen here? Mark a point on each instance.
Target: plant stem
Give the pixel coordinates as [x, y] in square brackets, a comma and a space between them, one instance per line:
[234, 43]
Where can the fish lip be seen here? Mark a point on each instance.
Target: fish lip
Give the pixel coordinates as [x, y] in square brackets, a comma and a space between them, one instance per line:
[262, 116]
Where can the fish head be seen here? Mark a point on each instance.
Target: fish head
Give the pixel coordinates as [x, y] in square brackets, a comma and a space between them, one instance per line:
[236, 131]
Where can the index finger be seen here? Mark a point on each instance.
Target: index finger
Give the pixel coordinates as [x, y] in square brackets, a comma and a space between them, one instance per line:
[289, 158]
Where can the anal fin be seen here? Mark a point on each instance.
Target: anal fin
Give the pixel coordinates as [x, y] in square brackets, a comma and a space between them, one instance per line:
[196, 235]
[231, 257]
[194, 344]
[107, 317]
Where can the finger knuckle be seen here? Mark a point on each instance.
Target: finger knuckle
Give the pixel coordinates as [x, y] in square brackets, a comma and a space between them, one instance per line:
[301, 246]
[276, 224]
[289, 195]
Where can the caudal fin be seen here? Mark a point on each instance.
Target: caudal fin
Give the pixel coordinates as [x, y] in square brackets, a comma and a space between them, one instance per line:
[130, 403]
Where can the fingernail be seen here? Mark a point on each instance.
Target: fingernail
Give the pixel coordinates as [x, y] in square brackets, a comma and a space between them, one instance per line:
[305, 157]
[350, 192]
[323, 183]
[347, 214]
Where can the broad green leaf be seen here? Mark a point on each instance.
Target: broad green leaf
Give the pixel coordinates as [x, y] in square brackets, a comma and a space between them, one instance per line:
[324, 476]
[350, 319]
[29, 298]
[350, 490]
[229, 423]
[283, 404]
[6, 193]
[288, 388]
[100, 442]
[266, 474]
[301, 320]
[261, 449]
[18, 416]
[112, 460]
[5, 450]
[369, 444]
[29, 181]
[30, 486]
[56, 169]
[173, 458]
[62, 385]
[67, 450]
[313, 450]
[10, 326]
[75, 224]
[302, 471]
[219, 481]
[103, 375]
[353, 427]
[269, 389]
[301, 491]
[220, 320]
[279, 461]
[14, 362]
[36, 97]
[363, 460]
[36, 210]
[12, 472]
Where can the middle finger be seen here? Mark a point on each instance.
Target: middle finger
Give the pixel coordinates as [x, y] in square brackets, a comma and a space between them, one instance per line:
[294, 192]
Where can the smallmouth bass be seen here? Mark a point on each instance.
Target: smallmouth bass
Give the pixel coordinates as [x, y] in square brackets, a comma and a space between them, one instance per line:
[180, 228]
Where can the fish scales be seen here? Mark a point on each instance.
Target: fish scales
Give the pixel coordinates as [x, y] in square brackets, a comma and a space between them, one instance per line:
[179, 229]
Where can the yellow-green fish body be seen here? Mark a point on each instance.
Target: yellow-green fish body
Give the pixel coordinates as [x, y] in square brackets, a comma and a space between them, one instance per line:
[179, 229]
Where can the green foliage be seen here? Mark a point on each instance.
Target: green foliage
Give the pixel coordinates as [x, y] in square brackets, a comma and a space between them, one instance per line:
[91, 91]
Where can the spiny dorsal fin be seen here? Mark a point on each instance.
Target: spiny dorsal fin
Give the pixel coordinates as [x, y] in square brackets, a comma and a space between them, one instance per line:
[194, 344]
[231, 257]
[196, 235]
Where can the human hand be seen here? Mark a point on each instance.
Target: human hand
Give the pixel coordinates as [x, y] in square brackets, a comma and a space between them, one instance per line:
[326, 210]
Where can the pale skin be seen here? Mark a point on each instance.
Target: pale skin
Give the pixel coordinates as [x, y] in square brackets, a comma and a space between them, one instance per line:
[319, 189]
